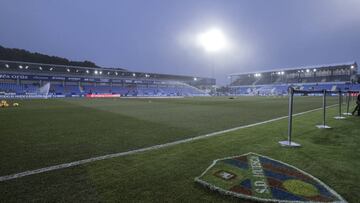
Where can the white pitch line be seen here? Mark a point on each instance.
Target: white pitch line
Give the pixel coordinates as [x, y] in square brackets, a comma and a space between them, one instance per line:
[109, 156]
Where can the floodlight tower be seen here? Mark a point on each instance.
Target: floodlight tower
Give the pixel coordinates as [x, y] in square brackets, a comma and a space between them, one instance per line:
[212, 41]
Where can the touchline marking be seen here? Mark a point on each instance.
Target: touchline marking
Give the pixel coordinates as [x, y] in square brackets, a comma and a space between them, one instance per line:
[109, 156]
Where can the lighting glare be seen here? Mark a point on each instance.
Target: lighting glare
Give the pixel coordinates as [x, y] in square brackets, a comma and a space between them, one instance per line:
[212, 40]
[7, 65]
[352, 67]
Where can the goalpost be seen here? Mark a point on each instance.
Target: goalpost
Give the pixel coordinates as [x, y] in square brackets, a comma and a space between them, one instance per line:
[289, 142]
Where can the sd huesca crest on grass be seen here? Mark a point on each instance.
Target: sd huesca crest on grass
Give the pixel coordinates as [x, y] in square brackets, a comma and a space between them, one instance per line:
[256, 177]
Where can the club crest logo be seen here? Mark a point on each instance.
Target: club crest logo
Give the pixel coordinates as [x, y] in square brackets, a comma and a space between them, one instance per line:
[256, 177]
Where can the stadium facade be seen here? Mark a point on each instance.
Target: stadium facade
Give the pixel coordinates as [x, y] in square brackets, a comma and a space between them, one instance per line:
[341, 76]
[23, 79]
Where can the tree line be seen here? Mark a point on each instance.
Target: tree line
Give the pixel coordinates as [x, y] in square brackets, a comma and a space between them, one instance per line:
[13, 54]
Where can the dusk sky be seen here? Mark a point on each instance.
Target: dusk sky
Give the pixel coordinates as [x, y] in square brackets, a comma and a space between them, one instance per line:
[160, 35]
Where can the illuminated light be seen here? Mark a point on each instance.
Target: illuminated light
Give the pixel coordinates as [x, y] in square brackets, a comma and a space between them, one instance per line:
[7, 66]
[77, 71]
[108, 73]
[257, 75]
[21, 67]
[133, 74]
[40, 68]
[195, 79]
[51, 69]
[212, 40]
[68, 70]
[302, 71]
[352, 67]
[116, 73]
[307, 70]
[282, 72]
[26, 67]
[87, 71]
[100, 72]
[314, 70]
[96, 72]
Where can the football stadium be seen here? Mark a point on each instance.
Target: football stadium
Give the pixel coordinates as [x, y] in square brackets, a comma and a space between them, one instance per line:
[75, 131]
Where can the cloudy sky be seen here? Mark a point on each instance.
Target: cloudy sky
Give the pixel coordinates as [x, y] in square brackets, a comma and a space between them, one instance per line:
[160, 35]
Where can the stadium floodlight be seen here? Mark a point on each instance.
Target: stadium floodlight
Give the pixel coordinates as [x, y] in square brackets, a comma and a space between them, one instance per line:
[77, 71]
[195, 79]
[133, 74]
[26, 67]
[68, 70]
[100, 72]
[108, 73]
[50, 69]
[314, 70]
[212, 40]
[282, 72]
[20, 66]
[96, 72]
[40, 68]
[257, 75]
[116, 73]
[7, 66]
[352, 66]
[307, 70]
[87, 71]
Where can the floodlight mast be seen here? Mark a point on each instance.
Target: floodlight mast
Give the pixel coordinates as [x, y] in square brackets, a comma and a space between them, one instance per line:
[212, 41]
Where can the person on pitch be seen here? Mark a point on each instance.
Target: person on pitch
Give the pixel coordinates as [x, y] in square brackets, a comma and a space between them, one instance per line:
[357, 108]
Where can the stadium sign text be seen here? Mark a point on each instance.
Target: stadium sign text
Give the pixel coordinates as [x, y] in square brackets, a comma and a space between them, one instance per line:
[8, 76]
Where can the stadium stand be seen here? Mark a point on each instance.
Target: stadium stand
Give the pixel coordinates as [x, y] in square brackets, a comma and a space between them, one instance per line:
[341, 76]
[22, 78]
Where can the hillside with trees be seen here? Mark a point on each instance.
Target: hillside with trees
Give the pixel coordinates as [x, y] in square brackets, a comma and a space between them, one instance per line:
[13, 54]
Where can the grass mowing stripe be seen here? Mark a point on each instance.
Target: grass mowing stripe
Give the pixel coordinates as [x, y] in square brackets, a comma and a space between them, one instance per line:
[108, 156]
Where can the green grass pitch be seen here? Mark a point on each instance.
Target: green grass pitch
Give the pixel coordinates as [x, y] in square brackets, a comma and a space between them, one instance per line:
[42, 133]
